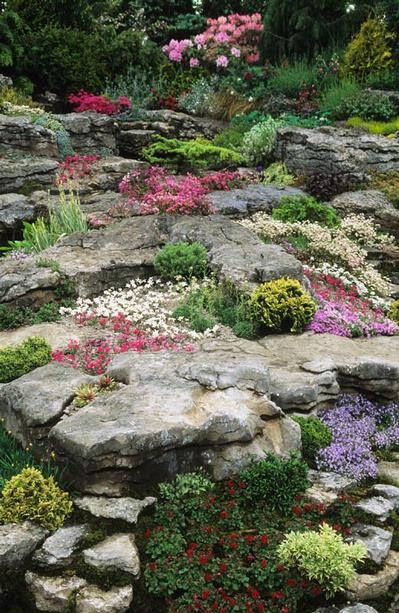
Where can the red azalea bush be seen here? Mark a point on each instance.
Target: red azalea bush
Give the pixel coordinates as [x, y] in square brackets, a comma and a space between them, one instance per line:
[75, 167]
[85, 101]
[157, 192]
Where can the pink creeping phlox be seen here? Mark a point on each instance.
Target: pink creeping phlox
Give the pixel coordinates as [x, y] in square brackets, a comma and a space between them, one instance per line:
[154, 191]
[343, 312]
[94, 355]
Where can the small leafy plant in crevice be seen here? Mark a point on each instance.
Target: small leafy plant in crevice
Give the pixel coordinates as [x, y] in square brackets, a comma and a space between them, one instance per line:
[87, 392]
[215, 303]
[20, 359]
[305, 208]
[182, 259]
[315, 436]
[322, 556]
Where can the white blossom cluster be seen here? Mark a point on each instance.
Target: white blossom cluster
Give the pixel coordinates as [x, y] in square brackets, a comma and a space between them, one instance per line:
[147, 303]
[336, 246]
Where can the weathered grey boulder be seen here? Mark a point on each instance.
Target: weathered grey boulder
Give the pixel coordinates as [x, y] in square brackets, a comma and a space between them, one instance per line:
[329, 149]
[32, 404]
[360, 364]
[247, 200]
[389, 472]
[14, 209]
[19, 133]
[53, 593]
[91, 599]
[326, 486]
[17, 542]
[369, 587]
[374, 375]
[28, 174]
[296, 390]
[356, 608]
[376, 540]
[131, 142]
[371, 203]
[117, 552]
[58, 549]
[125, 509]
[386, 499]
[99, 259]
[90, 132]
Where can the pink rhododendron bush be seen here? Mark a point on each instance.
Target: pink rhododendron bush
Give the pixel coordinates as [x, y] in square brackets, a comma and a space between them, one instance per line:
[234, 38]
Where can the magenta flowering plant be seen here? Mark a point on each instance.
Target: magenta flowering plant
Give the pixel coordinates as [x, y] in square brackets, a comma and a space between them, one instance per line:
[232, 39]
[343, 312]
[85, 101]
[154, 191]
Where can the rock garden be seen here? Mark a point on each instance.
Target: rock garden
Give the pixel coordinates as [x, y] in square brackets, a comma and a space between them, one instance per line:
[199, 307]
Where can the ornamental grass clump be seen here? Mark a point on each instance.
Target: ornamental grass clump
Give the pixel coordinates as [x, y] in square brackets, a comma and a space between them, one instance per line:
[322, 556]
[31, 496]
[282, 305]
[186, 260]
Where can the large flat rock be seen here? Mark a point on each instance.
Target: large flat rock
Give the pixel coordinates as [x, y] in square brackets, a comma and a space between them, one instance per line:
[100, 259]
[251, 199]
[19, 133]
[332, 150]
[27, 174]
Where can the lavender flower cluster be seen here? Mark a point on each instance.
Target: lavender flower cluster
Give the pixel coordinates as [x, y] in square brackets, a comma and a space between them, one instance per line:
[359, 427]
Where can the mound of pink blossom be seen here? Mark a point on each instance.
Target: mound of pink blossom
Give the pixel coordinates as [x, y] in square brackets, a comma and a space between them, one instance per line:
[85, 101]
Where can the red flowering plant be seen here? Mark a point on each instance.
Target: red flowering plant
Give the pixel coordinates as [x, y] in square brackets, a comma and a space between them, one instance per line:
[85, 101]
[213, 550]
[75, 167]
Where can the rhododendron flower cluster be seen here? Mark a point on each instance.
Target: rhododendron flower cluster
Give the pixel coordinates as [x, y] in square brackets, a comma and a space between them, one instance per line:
[154, 191]
[343, 312]
[75, 167]
[358, 428]
[235, 37]
[85, 101]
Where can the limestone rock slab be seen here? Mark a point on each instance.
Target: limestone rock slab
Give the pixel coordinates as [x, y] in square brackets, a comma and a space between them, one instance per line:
[17, 542]
[52, 593]
[117, 552]
[329, 149]
[91, 599]
[58, 549]
[125, 509]
[376, 540]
